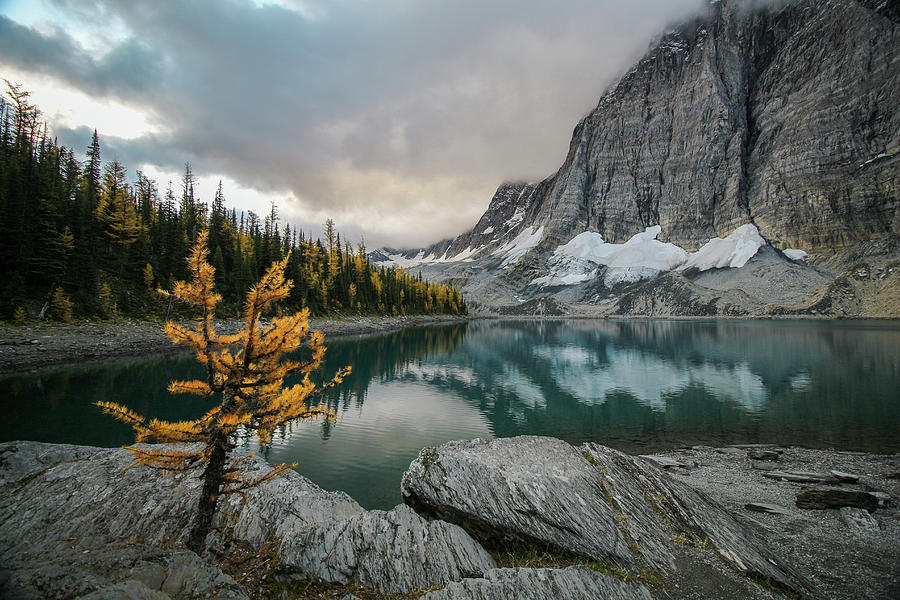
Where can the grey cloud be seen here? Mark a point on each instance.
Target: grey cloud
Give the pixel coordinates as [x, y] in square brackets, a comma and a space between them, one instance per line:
[391, 94]
[130, 68]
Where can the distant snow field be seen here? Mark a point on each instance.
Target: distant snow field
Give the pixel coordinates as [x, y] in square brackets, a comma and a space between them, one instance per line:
[517, 247]
[794, 254]
[644, 257]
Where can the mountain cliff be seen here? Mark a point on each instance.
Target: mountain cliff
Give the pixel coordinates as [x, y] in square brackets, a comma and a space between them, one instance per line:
[754, 125]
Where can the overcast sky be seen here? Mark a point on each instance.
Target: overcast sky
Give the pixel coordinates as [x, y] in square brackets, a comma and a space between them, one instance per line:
[396, 118]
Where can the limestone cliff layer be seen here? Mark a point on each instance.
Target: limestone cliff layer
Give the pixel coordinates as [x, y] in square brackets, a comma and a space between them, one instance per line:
[781, 114]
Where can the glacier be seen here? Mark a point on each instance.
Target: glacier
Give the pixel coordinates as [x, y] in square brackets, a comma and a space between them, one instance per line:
[643, 256]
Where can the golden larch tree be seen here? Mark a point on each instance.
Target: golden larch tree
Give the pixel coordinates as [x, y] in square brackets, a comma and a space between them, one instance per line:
[248, 371]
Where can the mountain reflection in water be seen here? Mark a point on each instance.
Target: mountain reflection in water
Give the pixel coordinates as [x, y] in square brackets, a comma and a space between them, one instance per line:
[635, 385]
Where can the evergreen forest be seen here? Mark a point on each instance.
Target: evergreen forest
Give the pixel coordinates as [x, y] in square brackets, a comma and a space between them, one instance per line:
[77, 239]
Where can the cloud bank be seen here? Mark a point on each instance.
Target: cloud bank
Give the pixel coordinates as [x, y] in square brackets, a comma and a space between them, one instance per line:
[397, 118]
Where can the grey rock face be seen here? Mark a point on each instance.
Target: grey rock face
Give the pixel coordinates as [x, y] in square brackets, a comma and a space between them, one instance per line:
[394, 551]
[128, 590]
[84, 490]
[594, 501]
[532, 488]
[676, 509]
[85, 568]
[572, 583]
[56, 497]
[781, 114]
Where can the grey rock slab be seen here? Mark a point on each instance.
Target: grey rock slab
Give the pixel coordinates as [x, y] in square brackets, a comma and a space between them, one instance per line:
[799, 476]
[825, 498]
[86, 568]
[772, 509]
[91, 491]
[394, 552]
[127, 590]
[763, 466]
[572, 583]
[55, 496]
[655, 503]
[859, 520]
[533, 489]
[844, 477]
[593, 501]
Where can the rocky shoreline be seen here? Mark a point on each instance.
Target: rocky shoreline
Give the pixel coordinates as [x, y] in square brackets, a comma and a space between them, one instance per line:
[34, 346]
[525, 517]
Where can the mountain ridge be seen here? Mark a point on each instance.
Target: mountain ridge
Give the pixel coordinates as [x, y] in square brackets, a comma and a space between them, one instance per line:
[780, 115]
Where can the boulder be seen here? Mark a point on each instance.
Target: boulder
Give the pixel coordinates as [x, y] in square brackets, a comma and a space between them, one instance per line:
[533, 489]
[759, 454]
[572, 583]
[52, 494]
[824, 498]
[859, 520]
[393, 552]
[665, 462]
[799, 476]
[592, 501]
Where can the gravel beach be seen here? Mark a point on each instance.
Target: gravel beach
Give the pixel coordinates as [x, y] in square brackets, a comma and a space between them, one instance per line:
[32, 346]
[846, 560]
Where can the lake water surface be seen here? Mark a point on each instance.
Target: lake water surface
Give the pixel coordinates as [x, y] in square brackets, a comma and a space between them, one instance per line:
[635, 385]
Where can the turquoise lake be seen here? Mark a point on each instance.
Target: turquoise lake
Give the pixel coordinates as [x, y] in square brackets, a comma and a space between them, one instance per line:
[639, 386]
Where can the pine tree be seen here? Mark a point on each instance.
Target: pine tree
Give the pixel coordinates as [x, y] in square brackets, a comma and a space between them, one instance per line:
[116, 210]
[191, 218]
[247, 370]
[83, 228]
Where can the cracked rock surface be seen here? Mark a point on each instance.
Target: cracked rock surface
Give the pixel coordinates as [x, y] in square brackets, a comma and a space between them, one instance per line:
[593, 501]
[394, 551]
[79, 508]
[573, 583]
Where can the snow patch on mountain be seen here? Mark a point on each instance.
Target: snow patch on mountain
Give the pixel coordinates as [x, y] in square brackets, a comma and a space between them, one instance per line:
[517, 247]
[793, 254]
[732, 251]
[517, 217]
[643, 257]
[398, 260]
